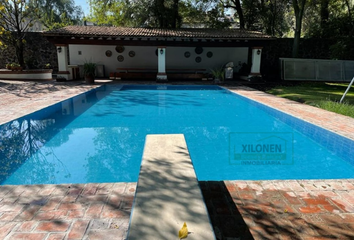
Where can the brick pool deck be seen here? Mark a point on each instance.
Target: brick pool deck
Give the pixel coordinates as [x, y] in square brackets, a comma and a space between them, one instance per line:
[296, 209]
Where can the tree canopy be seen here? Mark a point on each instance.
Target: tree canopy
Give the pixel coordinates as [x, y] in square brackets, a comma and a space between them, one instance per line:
[58, 13]
[279, 18]
[108, 12]
[16, 18]
[158, 13]
[330, 19]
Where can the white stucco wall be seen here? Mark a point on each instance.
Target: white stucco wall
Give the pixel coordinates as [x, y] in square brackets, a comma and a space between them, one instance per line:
[39, 75]
[256, 61]
[145, 57]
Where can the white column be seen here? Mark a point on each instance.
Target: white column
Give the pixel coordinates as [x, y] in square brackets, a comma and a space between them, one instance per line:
[63, 69]
[161, 74]
[256, 61]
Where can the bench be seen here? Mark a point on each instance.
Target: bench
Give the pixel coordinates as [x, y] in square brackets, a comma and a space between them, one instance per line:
[150, 73]
[168, 193]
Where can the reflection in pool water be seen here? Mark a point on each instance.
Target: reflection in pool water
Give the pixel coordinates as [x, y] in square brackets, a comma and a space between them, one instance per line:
[99, 137]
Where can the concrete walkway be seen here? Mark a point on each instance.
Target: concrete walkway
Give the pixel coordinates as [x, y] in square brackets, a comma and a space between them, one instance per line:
[168, 193]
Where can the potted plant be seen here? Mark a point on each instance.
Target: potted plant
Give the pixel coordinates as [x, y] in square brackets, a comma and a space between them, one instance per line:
[218, 74]
[15, 67]
[244, 71]
[89, 72]
[47, 66]
[61, 79]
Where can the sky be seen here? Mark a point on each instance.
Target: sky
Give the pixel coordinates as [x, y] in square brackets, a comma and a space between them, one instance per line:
[84, 5]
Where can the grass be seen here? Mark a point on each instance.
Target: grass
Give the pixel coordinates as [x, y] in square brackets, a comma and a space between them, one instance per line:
[341, 108]
[322, 95]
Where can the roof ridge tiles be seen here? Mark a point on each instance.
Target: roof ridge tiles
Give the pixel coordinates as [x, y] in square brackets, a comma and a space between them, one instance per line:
[111, 31]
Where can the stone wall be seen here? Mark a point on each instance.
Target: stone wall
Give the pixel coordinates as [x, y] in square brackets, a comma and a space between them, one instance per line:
[282, 48]
[38, 51]
[42, 51]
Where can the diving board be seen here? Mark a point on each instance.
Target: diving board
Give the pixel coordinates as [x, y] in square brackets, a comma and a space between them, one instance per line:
[168, 193]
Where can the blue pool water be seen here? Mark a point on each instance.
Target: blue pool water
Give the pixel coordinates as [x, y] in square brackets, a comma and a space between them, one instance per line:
[99, 137]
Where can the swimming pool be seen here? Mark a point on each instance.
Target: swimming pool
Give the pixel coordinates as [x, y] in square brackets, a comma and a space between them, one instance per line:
[99, 137]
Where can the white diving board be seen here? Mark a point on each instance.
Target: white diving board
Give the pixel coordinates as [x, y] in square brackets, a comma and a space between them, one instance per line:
[168, 193]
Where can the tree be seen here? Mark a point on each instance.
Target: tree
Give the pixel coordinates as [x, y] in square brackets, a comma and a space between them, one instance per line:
[252, 10]
[341, 29]
[166, 14]
[157, 13]
[204, 13]
[324, 15]
[235, 4]
[58, 12]
[192, 13]
[299, 8]
[214, 16]
[16, 17]
[161, 13]
[347, 3]
[268, 16]
[316, 19]
[176, 18]
[331, 20]
[274, 17]
[136, 13]
[50, 21]
[107, 12]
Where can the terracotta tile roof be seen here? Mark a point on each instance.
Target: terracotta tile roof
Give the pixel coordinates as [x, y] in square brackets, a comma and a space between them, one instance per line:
[199, 33]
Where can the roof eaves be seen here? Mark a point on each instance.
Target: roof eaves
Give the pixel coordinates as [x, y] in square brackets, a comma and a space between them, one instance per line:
[234, 34]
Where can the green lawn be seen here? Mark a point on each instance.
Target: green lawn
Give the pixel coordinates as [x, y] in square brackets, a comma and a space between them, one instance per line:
[322, 95]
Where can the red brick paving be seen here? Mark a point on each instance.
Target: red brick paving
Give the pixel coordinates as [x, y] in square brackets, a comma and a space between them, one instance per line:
[309, 214]
[19, 98]
[303, 209]
[33, 216]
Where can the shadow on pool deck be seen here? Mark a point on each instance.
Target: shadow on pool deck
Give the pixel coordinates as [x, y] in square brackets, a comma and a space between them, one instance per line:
[224, 215]
[302, 209]
[295, 209]
[67, 211]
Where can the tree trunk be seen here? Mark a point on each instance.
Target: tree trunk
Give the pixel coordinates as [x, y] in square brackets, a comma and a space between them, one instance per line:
[324, 17]
[18, 37]
[30, 139]
[296, 43]
[160, 11]
[19, 49]
[274, 16]
[239, 13]
[21, 59]
[349, 10]
[175, 14]
[299, 7]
